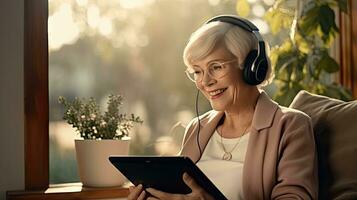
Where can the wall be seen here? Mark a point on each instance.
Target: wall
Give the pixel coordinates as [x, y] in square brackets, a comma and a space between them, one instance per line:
[11, 96]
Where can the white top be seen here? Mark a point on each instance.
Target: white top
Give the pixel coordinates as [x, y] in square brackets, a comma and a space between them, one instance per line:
[226, 175]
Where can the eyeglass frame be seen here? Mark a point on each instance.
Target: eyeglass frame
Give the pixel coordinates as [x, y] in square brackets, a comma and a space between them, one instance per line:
[209, 73]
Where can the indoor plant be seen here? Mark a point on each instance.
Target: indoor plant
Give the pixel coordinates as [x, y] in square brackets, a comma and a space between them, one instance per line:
[104, 134]
[303, 60]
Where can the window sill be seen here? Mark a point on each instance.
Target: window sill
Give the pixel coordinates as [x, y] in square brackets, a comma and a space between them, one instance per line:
[70, 191]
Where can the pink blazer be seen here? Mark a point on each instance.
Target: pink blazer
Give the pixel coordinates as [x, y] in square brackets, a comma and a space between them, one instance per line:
[281, 159]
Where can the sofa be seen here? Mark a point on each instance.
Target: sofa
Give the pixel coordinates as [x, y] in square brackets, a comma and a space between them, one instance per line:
[335, 128]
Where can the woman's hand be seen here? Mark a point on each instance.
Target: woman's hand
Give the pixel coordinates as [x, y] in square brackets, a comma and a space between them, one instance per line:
[136, 193]
[197, 193]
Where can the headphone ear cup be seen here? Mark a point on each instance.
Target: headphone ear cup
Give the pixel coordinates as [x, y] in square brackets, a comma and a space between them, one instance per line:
[248, 74]
[261, 69]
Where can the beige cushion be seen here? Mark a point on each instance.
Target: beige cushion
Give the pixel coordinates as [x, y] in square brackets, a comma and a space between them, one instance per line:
[335, 127]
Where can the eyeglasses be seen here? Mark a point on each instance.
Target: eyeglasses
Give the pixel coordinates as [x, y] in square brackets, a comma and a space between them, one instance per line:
[215, 69]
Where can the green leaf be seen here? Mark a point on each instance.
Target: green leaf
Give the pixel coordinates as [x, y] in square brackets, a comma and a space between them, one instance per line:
[299, 70]
[287, 93]
[309, 21]
[280, 55]
[284, 59]
[279, 19]
[328, 64]
[302, 43]
[327, 20]
[346, 94]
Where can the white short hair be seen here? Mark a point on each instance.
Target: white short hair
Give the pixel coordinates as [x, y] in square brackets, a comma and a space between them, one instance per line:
[237, 41]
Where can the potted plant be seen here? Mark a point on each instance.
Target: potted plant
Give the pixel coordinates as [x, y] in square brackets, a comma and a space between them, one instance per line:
[103, 134]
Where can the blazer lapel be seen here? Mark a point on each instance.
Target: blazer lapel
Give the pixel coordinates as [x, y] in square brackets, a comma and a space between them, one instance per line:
[264, 112]
[208, 126]
[253, 168]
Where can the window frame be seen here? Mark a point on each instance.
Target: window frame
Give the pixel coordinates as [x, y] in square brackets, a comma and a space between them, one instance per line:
[36, 92]
[36, 110]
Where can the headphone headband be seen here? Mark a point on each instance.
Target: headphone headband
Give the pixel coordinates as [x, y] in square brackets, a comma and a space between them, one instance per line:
[235, 20]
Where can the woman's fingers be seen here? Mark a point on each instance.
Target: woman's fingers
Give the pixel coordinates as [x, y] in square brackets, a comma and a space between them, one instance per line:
[197, 191]
[190, 182]
[142, 195]
[152, 198]
[131, 188]
[157, 194]
[135, 192]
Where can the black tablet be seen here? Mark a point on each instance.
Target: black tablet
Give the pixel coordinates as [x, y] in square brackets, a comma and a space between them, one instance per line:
[163, 173]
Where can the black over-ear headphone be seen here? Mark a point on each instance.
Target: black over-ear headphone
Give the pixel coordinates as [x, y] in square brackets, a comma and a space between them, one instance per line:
[256, 63]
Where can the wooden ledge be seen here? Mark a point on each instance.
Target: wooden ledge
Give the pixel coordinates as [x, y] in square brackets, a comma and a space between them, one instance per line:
[70, 191]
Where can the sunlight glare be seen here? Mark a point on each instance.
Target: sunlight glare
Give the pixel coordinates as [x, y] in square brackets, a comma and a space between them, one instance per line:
[106, 26]
[82, 2]
[93, 16]
[214, 2]
[258, 10]
[252, 1]
[61, 28]
[130, 4]
[269, 2]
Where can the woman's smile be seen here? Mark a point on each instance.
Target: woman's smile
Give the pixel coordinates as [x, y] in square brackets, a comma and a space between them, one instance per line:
[214, 94]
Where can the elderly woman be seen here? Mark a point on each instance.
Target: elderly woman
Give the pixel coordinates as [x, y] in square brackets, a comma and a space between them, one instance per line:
[248, 145]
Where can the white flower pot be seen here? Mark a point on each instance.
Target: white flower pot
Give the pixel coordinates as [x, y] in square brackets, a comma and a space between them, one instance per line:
[94, 168]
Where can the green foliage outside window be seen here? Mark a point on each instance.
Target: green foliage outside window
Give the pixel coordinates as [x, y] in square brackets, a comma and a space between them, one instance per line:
[302, 61]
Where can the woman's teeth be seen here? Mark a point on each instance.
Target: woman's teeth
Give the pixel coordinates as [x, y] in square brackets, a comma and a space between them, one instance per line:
[216, 92]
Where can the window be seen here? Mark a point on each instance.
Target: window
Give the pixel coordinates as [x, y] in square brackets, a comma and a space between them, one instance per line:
[102, 47]
[36, 89]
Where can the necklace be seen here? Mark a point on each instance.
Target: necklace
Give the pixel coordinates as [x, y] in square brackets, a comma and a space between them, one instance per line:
[228, 154]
